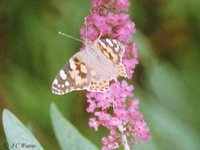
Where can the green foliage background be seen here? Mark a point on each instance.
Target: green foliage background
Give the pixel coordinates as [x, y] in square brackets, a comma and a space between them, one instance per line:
[166, 80]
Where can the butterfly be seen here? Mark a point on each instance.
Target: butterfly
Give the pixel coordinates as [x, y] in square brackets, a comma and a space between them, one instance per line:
[92, 68]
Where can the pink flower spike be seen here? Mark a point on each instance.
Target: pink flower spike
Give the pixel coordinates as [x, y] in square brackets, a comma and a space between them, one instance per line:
[117, 108]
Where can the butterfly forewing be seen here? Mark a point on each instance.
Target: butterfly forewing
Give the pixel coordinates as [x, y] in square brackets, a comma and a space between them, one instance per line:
[112, 49]
[73, 76]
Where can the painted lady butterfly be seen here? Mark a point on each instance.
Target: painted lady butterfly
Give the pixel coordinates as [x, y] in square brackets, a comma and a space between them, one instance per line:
[91, 69]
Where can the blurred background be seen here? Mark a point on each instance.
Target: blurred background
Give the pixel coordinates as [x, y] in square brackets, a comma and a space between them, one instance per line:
[166, 81]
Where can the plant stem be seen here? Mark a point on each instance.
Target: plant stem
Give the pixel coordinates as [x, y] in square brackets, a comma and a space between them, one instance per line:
[124, 139]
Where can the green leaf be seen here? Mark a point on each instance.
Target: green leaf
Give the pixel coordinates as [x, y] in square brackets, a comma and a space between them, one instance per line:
[17, 134]
[67, 135]
[168, 130]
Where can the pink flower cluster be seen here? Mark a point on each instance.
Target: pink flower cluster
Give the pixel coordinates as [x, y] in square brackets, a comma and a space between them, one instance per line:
[115, 108]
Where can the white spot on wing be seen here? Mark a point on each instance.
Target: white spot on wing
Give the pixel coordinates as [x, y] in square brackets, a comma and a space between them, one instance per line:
[114, 41]
[63, 75]
[58, 93]
[72, 64]
[109, 42]
[104, 46]
[54, 88]
[66, 83]
[83, 68]
[116, 49]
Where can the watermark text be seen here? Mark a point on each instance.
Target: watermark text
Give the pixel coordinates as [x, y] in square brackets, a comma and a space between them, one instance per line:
[20, 146]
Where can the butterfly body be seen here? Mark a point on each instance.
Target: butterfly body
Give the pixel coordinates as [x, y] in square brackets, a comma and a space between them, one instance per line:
[91, 69]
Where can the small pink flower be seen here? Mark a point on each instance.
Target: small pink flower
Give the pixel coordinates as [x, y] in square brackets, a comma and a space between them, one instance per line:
[99, 21]
[93, 123]
[115, 121]
[121, 114]
[134, 104]
[129, 64]
[124, 34]
[103, 117]
[92, 106]
[107, 100]
[142, 130]
[122, 5]
[110, 143]
[112, 19]
[127, 89]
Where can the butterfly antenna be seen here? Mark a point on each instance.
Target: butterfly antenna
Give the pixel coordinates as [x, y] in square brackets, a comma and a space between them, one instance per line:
[71, 37]
[86, 31]
[100, 36]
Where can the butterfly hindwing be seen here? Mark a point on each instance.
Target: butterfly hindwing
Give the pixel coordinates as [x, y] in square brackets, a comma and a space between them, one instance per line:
[73, 76]
[99, 85]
